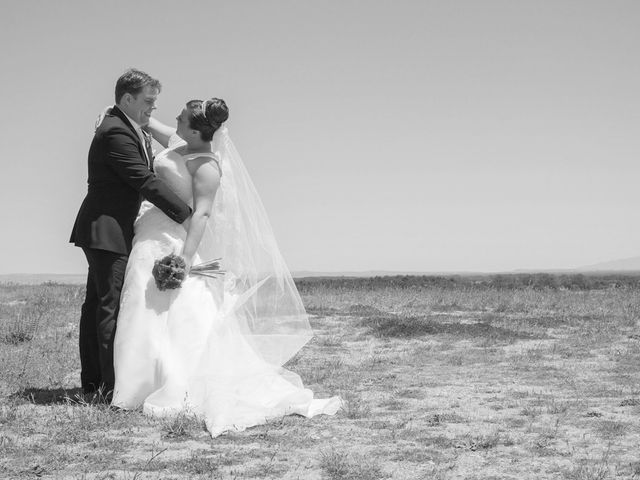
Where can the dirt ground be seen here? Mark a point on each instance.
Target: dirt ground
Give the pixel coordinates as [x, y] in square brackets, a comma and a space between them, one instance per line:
[437, 383]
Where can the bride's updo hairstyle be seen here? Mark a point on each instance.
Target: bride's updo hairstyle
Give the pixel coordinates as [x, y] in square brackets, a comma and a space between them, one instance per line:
[207, 117]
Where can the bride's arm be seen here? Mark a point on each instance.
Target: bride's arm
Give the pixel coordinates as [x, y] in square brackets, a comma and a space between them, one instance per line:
[206, 179]
[160, 132]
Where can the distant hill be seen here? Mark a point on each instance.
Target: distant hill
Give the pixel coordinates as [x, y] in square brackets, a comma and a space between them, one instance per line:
[631, 264]
[368, 273]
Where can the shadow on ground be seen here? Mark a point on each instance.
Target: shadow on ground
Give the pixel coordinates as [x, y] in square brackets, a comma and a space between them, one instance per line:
[48, 396]
[406, 327]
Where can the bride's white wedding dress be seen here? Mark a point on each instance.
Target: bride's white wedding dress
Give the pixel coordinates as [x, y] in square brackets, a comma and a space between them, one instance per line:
[214, 347]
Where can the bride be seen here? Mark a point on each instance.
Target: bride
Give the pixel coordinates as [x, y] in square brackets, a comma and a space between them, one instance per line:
[214, 347]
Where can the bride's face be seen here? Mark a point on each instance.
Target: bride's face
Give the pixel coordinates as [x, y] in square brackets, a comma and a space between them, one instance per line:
[182, 124]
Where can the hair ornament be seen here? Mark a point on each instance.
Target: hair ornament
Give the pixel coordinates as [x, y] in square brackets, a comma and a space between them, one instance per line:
[204, 108]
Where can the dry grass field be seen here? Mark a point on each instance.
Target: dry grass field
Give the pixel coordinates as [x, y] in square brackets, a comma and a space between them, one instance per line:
[468, 380]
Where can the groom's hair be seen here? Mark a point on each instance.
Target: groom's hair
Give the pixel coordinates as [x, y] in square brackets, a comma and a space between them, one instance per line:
[133, 81]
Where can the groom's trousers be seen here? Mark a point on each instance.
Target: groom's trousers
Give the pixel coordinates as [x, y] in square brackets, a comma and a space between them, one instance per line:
[98, 318]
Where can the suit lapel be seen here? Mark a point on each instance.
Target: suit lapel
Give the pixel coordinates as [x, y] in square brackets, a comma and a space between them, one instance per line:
[141, 146]
[120, 114]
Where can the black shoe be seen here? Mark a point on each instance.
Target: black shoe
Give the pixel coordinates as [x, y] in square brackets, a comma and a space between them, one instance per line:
[88, 388]
[97, 397]
[105, 394]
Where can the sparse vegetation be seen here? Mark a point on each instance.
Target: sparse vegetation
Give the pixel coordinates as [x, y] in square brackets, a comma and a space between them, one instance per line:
[342, 466]
[509, 376]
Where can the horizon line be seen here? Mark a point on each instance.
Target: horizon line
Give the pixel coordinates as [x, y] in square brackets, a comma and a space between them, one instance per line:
[364, 273]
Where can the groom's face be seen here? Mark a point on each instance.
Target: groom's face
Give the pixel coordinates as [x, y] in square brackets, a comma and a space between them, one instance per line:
[140, 107]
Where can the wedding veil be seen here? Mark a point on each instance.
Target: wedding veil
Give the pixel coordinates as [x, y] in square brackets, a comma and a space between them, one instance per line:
[259, 292]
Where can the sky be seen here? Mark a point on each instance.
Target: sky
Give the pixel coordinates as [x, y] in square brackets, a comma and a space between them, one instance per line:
[414, 136]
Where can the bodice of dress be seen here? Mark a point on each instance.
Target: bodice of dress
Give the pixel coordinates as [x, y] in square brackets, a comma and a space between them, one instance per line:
[171, 167]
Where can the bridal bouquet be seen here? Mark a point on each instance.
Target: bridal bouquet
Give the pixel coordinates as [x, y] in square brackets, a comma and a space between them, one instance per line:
[169, 272]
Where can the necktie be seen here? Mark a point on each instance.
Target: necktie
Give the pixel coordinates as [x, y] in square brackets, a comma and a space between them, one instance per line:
[147, 147]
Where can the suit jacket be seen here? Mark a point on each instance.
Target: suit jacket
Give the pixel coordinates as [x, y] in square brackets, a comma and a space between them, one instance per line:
[119, 179]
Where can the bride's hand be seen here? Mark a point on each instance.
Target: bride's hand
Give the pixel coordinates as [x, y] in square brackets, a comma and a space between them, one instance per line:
[106, 111]
[187, 261]
[188, 266]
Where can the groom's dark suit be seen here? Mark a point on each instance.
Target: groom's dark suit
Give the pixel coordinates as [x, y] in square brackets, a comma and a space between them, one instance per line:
[119, 178]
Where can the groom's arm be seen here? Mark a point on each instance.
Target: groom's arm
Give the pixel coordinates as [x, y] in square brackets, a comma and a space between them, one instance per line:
[125, 160]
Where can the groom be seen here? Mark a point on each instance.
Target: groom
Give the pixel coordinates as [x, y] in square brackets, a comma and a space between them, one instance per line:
[120, 176]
